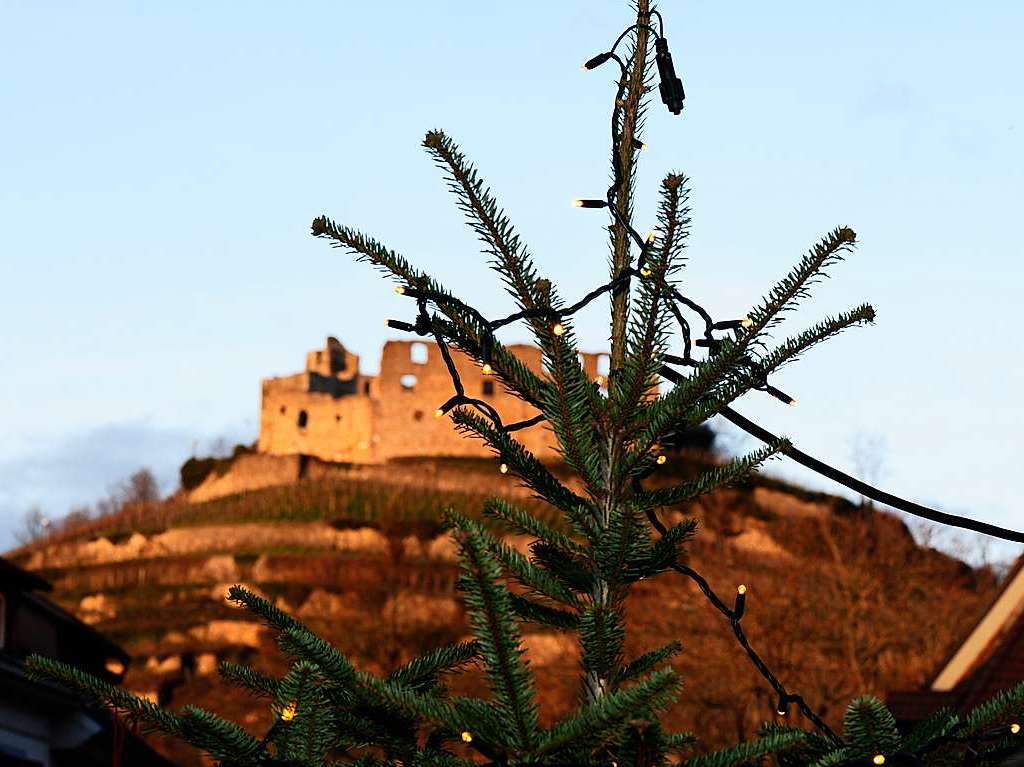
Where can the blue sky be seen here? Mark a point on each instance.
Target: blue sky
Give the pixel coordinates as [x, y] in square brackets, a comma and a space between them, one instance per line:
[160, 165]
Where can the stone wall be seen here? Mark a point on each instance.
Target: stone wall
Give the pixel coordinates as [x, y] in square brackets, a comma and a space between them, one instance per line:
[333, 412]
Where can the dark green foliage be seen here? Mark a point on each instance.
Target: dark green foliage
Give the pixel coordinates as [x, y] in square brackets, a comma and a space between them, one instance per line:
[587, 554]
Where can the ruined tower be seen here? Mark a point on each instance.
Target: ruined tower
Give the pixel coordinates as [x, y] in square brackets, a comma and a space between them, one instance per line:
[334, 412]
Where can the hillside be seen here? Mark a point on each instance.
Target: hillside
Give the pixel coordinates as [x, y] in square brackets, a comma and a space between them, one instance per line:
[842, 601]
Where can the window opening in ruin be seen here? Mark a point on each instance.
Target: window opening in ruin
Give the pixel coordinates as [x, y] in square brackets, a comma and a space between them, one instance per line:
[303, 419]
[488, 388]
[366, 387]
[418, 353]
[417, 415]
[408, 382]
[604, 364]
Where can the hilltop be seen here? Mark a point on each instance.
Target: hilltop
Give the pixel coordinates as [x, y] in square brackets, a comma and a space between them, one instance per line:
[842, 600]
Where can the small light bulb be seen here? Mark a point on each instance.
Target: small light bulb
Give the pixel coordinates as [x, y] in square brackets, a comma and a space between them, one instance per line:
[746, 322]
[438, 413]
[487, 369]
[792, 402]
[741, 589]
[781, 711]
[503, 468]
[467, 736]
[1015, 728]
[599, 380]
[288, 712]
[558, 329]
[660, 460]
[400, 290]
[651, 238]
[577, 203]
[879, 759]
[645, 272]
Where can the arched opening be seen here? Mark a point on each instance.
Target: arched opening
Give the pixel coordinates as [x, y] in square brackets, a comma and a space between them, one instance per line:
[418, 353]
[303, 419]
[604, 364]
[488, 388]
[408, 381]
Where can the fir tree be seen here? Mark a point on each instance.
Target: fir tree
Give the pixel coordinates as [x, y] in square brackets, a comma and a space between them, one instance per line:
[577, 579]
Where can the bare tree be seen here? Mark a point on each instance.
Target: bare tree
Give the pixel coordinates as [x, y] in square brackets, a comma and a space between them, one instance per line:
[867, 452]
[34, 526]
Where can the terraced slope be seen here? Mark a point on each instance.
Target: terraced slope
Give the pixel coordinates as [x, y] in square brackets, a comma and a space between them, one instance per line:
[841, 600]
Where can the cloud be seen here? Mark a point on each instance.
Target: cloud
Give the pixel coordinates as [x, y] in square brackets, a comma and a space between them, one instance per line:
[85, 466]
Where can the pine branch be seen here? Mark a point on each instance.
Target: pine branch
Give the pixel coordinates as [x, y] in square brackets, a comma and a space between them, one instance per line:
[301, 643]
[741, 384]
[220, 738]
[746, 753]
[709, 480]
[530, 610]
[788, 292]
[1006, 703]
[600, 721]
[309, 732]
[647, 339]
[44, 670]
[528, 574]
[870, 727]
[830, 327]
[647, 662]
[526, 524]
[511, 259]
[275, 618]
[523, 464]
[422, 672]
[602, 634]
[568, 405]
[492, 617]
[258, 683]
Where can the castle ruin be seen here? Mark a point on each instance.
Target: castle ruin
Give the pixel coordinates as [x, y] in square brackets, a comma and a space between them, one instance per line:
[334, 412]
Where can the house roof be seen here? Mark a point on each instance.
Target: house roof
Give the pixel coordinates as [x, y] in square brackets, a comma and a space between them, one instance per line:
[990, 659]
[28, 583]
[22, 580]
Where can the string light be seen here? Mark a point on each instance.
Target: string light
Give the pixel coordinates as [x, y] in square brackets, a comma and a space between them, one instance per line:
[671, 86]
[289, 711]
[638, 144]
[400, 290]
[487, 370]
[596, 61]
[652, 238]
[1014, 728]
[467, 736]
[447, 406]
[741, 589]
[399, 325]
[879, 759]
[672, 95]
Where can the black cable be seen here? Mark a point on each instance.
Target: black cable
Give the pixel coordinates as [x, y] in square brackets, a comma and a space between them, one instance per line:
[869, 491]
